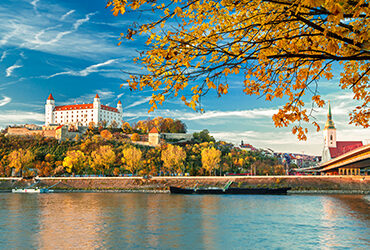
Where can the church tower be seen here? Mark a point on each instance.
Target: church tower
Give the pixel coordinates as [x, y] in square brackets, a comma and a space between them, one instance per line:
[96, 109]
[330, 133]
[49, 109]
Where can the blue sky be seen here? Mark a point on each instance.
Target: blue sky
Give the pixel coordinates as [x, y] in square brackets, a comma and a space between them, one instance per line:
[69, 48]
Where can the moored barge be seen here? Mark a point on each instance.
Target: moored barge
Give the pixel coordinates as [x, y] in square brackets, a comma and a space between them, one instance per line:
[213, 190]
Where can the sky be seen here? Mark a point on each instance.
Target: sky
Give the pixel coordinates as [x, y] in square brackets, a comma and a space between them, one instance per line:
[69, 48]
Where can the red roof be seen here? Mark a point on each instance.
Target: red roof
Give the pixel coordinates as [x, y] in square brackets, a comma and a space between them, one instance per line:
[109, 108]
[119, 102]
[153, 131]
[97, 96]
[51, 97]
[344, 147]
[84, 106]
[74, 106]
[248, 146]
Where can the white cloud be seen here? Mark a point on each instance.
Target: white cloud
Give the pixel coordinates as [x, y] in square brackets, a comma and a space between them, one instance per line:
[104, 94]
[34, 3]
[59, 35]
[3, 55]
[280, 141]
[253, 113]
[134, 104]
[14, 30]
[79, 22]
[22, 28]
[67, 14]
[10, 117]
[10, 69]
[87, 71]
[5, 101]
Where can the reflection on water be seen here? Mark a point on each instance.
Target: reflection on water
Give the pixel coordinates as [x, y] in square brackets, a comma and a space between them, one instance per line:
[164, 221]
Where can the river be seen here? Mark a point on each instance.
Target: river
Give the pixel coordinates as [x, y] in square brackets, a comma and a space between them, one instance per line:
[165, 221]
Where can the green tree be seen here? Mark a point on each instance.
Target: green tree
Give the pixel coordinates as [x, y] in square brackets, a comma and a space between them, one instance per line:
[203, 136]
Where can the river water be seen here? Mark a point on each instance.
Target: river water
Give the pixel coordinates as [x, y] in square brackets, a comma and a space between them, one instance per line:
[165, 221]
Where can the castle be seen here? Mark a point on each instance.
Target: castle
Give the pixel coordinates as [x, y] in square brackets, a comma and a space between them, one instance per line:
[82, 114]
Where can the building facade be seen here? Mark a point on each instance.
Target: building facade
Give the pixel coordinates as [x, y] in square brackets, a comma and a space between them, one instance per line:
[82, 114]
[332, 147]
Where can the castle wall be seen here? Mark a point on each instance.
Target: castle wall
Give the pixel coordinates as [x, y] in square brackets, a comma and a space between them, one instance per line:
[177, 136]
[28, 132]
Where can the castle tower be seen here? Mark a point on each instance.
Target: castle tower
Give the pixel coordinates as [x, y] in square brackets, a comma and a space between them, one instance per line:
[330, 133]
[49, 108]
[119, 107]
[120, 110]
[96, 109]
[153, 137]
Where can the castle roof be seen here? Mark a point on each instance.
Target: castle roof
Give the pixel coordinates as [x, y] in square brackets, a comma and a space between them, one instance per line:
[84, 106]
[119, 102]
[104, 107]
[344, 147]
[97, 96]
[153, 131]
[51, 97]
[74, 106]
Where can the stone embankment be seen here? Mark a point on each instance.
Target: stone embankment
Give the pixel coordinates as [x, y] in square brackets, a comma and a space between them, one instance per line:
[299, 184]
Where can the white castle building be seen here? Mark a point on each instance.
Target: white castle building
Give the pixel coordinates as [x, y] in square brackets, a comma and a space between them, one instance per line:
[82, 114]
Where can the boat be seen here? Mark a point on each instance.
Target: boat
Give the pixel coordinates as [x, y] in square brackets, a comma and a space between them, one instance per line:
[228, 190]
[257, 190]
[32, 190]
[176, 190]
[36, 190]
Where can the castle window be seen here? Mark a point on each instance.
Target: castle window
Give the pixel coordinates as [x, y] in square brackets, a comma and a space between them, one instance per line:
[331, 137]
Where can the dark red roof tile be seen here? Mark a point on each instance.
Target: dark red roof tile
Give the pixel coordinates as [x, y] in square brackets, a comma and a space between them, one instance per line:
[344, 147]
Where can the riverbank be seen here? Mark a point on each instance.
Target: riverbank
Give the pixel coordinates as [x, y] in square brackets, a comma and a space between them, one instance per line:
[298, 184]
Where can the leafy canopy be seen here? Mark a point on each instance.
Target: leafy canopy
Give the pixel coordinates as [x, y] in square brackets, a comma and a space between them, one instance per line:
[211, 158]
[282, 48]
[132, 159]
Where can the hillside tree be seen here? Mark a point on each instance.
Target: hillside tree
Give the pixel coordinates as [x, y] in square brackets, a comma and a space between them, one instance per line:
[211, 158]
[131, 159]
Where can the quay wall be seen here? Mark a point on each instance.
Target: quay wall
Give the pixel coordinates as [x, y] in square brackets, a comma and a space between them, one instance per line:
[298, 183]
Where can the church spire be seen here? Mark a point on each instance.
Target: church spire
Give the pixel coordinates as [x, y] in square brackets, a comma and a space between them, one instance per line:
[329, 122]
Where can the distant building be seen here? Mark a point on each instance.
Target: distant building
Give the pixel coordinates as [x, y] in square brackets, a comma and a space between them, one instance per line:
[332, 147]
[247, 147]
[82, 114]
[154, 138]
